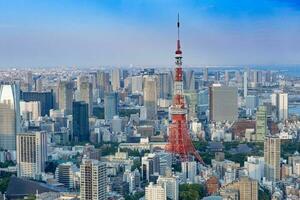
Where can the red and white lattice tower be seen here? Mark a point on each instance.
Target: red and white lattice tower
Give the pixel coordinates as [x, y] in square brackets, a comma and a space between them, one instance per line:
[180, 143]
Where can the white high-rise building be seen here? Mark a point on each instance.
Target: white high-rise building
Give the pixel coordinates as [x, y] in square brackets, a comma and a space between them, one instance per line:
[155, 192]
[137, 84]
[150, 165]
[283, 106]
[245, 84]
[9, 115]
[30, 110]
[31, 154]
[255, 167]
[171, 185]
[280, 101]
[189, 171]
[93, 180]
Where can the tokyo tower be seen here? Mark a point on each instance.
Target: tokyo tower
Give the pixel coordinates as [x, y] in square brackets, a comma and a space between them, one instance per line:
[180, 143]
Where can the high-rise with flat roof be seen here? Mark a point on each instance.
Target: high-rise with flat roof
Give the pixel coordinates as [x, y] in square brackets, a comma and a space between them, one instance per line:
[223, 103]
[31, 154]
[155, 192]
[272, 151]
[150, 96]
[86, 94]
[261, 123]
[93, 180]
[9, 115]
[110, 105]
[80, 116]
[65, 96]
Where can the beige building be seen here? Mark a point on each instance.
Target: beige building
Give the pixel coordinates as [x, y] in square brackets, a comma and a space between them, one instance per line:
[31, 154]
[272, 158]
[246, 189]
[155, 192]
[115, 79]
[9, 115]
[93, 180]
[30, 110]
[86, 93]
[65, 96]
[150, 96]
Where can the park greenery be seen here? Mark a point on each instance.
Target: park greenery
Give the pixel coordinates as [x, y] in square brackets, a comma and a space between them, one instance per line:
[191, 191]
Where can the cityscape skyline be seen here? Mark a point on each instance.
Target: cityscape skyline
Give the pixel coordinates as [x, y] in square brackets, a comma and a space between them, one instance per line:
[120, 33]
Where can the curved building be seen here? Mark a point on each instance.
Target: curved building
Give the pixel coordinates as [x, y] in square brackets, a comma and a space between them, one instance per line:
[9, 115]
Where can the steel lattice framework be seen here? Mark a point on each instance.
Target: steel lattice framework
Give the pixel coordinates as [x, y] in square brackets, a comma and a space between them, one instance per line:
[179, 142]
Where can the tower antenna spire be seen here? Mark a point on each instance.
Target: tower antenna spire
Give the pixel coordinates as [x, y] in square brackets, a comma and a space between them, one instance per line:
[178, 26]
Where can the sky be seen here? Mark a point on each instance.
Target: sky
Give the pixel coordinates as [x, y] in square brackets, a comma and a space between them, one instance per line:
[89, 33]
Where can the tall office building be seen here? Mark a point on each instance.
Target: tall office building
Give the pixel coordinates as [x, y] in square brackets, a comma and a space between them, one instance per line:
[110, 105]
[150, 166]
[31, 154]
[261, 123]
[189, 171]
[80, 116]
[226, 77]
[283, 106]
[38, 85]
[115, 79]
[137, 84]
[248, 189]
[171, 185]
[93, 180]
[65, 96]
[29, 80]
[65, 173]
[280, 101]
[103, 83]
[30, 110]
[164, 86]
[45, 98]
[245, 84]
[223, 103]
[205, 74]
[86, 94]
[155, 192]
[272, 151]
[9, 115]
[189, 80]
[150, 97]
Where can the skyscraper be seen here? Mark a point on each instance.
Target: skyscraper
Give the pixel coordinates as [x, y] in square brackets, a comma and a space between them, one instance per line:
[64, 174]
[155, 192]
[45, 98]
[261, 123]
[245, 84]
[65, 96]
[272, 151]
[164, 85]
[150, 96]
[171, 185]
[205, 74]
[93, 180]
[283, 106]
[9, 115]
[115, 79]
[80, 116]
[103, 83]
[31, 154]
[223, 103]
[248, 189]
[137, 84]
[110, 105]
[280, 101]
[86, 94]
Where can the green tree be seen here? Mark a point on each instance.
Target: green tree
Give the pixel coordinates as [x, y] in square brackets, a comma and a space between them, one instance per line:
[191, 191]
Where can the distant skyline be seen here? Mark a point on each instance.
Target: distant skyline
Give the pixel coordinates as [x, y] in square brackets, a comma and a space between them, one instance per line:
[89, 33]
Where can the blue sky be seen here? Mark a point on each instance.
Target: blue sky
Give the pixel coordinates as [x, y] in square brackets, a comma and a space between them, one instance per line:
[37, 33]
